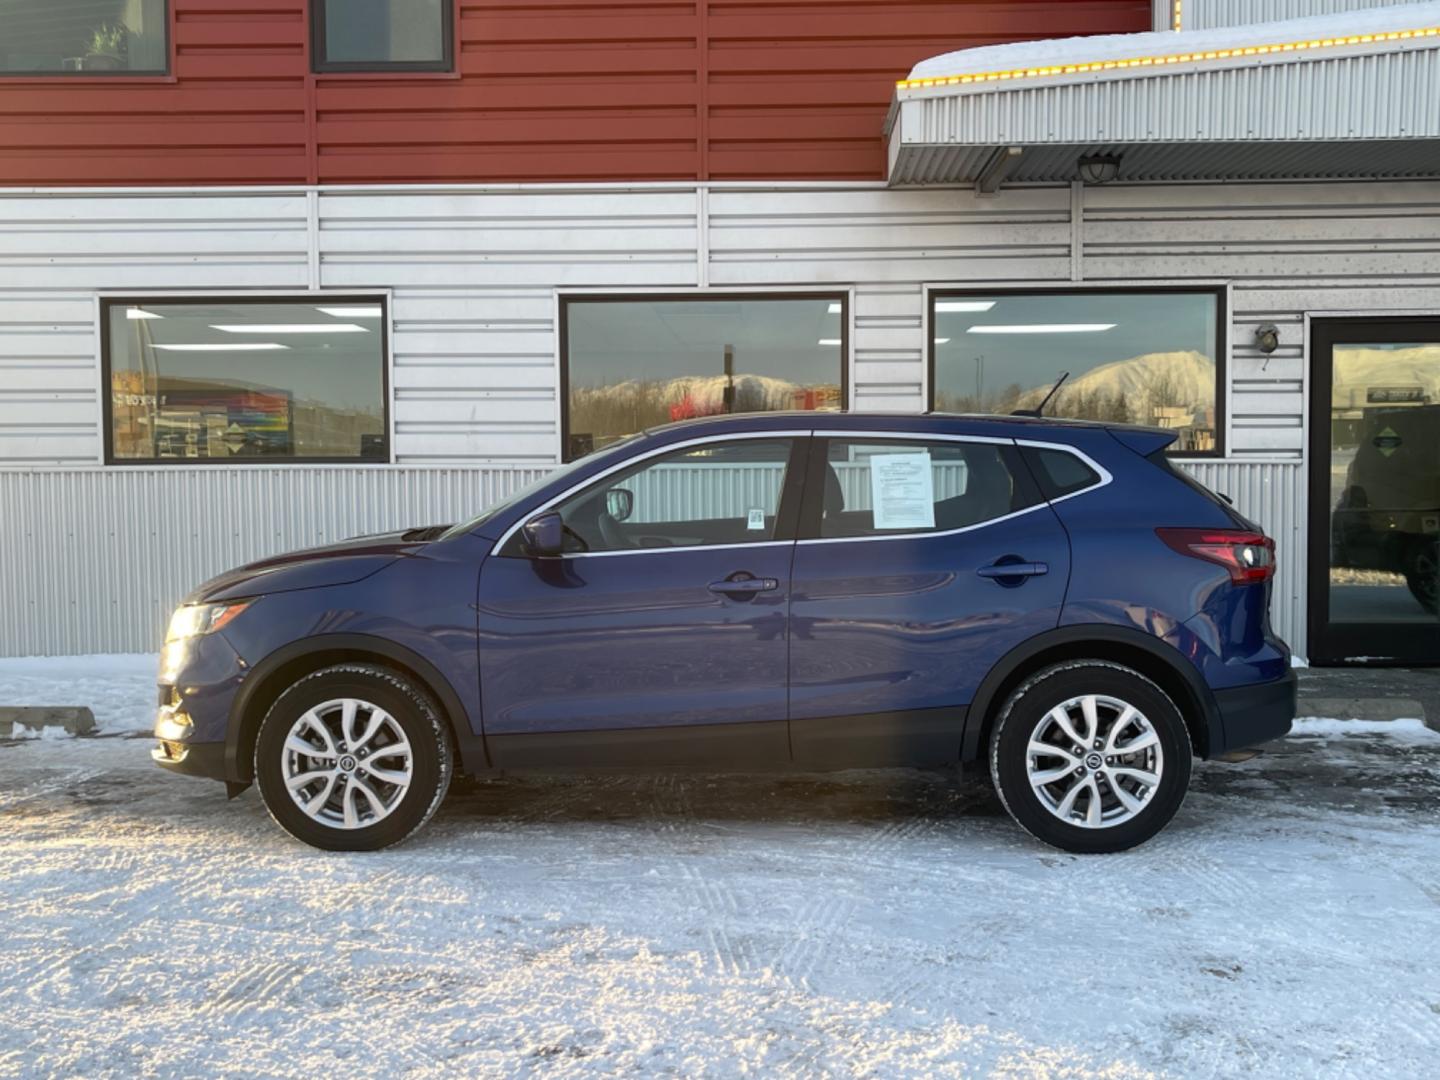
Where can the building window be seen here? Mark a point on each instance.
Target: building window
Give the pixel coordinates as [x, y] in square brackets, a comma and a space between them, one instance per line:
[83, 37]
[240, 380]
[1152, 357]
[382, 35]
[631, 363]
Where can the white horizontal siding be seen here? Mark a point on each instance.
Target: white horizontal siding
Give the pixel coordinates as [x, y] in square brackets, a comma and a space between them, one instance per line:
[1208, 14]
[474, 344]
[1285, 249]
[94, 560]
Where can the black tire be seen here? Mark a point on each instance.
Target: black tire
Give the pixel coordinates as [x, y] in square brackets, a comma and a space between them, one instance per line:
[431, 758]
[1030, 704]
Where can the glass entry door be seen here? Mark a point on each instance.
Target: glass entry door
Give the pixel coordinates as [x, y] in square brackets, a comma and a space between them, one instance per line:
[1375, 491]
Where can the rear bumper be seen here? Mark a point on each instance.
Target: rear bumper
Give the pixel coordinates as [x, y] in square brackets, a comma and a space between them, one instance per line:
[1255, 714]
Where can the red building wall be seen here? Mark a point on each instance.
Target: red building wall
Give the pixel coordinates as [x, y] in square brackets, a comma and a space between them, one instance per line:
[546, 90]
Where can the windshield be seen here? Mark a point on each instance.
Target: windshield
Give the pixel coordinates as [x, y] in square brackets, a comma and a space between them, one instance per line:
[495, 509]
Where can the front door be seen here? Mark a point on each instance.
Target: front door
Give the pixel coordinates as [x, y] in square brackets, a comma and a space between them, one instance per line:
[922, 562]
[1375, 491]
[659, 637]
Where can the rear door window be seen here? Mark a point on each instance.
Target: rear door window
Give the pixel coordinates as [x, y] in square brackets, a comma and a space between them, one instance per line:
[890, 487]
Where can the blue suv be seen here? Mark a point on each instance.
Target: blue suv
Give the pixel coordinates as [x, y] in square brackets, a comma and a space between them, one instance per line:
[789, 591]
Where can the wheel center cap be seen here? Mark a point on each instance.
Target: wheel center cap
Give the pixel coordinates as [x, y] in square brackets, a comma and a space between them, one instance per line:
[347, 763]
[1093, 761]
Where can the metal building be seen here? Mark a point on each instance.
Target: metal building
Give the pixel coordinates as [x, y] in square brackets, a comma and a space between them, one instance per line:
[530, 260]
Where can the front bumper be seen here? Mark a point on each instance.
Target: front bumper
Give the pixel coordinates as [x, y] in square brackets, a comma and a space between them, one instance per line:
[1254, 714]
[191, 759]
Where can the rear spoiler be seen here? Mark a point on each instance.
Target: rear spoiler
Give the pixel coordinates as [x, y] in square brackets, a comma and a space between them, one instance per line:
[1143, 440]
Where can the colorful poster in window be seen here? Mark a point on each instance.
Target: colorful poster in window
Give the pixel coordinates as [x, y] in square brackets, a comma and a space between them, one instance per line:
[218, 423]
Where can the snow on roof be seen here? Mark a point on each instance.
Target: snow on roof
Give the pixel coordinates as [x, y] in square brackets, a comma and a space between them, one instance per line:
[1051, 52]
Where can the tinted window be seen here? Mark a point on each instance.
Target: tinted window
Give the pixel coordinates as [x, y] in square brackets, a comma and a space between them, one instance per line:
[232, 380]
[380, 35]
[718, 493]
[1060, 473]
[636, 364]
[875, 488]
[83, 37]
[1133, 357]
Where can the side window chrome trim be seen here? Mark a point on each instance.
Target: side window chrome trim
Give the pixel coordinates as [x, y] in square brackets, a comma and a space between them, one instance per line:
[635, 460]
[1065, 448]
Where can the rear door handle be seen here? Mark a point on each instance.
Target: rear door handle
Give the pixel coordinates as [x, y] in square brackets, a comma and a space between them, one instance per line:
[1014, 570]
[745, 586]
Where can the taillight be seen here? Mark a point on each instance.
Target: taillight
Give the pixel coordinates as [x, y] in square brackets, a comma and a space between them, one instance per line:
[1249, 556]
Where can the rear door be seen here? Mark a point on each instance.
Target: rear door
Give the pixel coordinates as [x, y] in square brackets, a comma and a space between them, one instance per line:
[922, 561]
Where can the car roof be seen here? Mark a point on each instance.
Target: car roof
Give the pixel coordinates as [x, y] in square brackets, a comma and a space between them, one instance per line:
[873, 421]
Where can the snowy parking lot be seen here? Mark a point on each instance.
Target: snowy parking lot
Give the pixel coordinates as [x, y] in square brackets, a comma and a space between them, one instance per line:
[886, 923]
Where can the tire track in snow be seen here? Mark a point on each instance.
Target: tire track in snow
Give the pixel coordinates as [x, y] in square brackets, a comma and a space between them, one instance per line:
[49, 785]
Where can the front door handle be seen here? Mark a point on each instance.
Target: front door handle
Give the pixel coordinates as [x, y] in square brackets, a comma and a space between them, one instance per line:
[1014, 570]
[744, 586]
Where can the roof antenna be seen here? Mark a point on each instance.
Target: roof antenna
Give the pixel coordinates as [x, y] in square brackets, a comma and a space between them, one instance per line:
[1039, 410]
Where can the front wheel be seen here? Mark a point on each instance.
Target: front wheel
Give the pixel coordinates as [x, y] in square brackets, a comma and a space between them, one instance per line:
[352, 758]
[1091, 756]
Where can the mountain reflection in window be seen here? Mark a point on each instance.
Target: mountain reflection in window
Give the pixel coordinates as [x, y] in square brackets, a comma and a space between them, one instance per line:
[633, 364]
[1133, 357]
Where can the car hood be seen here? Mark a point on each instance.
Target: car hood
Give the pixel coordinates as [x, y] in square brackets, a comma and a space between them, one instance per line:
[313, 568]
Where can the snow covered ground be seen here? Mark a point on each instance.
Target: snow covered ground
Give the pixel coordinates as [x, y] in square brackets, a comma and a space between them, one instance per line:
[884, 924]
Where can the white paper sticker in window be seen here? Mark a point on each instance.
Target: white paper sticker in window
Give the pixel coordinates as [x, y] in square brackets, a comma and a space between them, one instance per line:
[902, 491]
[756, 520]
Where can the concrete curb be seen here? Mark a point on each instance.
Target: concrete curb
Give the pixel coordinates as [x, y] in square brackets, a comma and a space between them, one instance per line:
[72, 719]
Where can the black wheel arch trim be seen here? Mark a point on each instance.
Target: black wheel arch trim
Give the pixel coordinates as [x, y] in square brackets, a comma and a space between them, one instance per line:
[1065, 638]
[470, 747]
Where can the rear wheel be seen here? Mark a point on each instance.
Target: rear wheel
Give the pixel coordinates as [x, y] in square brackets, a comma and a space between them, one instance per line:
[1091, 756]
[352, 758]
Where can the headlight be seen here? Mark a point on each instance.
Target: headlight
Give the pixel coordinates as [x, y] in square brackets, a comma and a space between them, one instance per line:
[192, 620]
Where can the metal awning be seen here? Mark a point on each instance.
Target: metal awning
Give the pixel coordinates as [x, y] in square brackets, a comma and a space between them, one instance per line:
[1353, 95]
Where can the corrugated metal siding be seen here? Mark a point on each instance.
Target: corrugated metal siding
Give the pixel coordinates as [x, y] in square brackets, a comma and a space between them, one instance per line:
[1281, 111]
[1271, 494]
[544, 90]
[1207, 14]
[94, 560]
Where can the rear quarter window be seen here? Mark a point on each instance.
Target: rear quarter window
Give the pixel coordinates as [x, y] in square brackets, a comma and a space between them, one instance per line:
[1060, 473]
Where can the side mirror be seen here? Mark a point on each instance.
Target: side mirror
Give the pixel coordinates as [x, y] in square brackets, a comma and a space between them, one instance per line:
[544, 534]
[619, 503]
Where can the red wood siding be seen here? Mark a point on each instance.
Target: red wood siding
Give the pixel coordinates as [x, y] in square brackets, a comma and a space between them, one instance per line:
[546, 90]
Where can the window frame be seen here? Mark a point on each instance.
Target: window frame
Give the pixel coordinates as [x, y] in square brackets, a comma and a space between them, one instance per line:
[164, 74]
[320, 65]
[565, 299]
[812, 508]
[787, 513]
[1219, 290]
[106, 301]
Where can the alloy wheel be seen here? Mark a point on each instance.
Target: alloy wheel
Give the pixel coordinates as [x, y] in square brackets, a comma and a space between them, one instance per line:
[1094, 761]
[347, 763]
